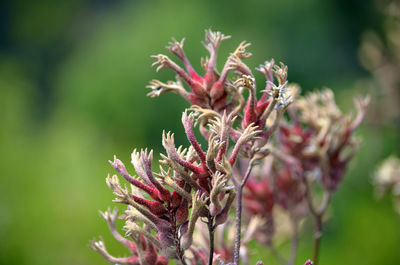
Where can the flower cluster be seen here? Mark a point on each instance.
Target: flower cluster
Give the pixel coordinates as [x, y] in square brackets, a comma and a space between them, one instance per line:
[200, 186]
[387, 179]
[196, 190]
[313, 148]
[143, 251]
[209, 91]
[329, 143]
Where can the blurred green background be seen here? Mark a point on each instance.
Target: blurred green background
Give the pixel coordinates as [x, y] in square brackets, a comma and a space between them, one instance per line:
[72, 94]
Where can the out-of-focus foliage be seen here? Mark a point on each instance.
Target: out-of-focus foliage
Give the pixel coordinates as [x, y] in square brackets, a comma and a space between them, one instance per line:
[72, 78]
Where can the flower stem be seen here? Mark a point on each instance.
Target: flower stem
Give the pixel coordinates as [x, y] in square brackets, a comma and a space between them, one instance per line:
[277, 255]
[238, 218]
[211, 231]
[295, 240]
[317, 238]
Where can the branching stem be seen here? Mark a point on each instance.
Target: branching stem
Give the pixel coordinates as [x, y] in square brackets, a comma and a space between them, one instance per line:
[317, 216]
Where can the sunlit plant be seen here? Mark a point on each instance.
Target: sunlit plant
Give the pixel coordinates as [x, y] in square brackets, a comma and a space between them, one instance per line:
[258, 160]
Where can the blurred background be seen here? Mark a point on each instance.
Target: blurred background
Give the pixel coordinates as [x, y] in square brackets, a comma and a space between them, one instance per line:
[72, 94]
